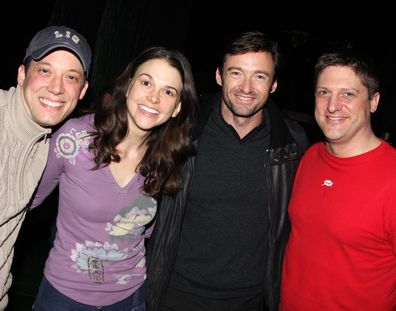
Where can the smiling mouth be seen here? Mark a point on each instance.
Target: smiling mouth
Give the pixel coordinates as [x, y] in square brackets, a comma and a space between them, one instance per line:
[332, 118]
[50, 103]
[244, 98]
[149, 110]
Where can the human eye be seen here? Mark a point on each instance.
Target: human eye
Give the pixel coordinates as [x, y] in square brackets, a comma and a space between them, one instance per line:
[261, 77]
[43, 71]
[145, 82]
[169, 92]
[348, 94]
[322, 92]
[73, 78]
[234, 73]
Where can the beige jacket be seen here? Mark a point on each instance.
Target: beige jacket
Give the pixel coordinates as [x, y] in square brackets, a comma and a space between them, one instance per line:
[23, 155]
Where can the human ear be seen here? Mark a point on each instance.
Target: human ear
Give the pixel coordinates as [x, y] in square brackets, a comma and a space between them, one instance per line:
[177, 109]
[21, 75]
[219, 80]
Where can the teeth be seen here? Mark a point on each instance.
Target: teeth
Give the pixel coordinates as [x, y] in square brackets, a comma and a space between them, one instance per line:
[145, 108]
[335, 118]
[50, 103]
[245, 98]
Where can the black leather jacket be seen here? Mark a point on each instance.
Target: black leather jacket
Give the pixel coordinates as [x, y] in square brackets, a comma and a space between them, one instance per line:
[281, 163]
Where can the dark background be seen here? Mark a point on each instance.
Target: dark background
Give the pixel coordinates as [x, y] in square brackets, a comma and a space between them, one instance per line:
[119, 29]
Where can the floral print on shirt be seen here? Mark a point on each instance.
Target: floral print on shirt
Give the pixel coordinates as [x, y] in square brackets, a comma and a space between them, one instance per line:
[92, 258]
[68, 145]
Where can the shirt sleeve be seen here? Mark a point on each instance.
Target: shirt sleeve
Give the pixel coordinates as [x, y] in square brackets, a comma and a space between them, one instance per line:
[52, 172]
[390, 216]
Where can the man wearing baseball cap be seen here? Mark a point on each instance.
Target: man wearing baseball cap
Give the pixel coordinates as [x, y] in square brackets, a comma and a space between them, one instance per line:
[50, 82]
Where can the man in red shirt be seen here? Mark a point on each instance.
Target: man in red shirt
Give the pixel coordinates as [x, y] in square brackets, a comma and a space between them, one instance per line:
[341, 251]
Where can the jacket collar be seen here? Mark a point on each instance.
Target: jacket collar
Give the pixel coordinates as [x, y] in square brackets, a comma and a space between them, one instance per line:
[279, 133]
[25, 128]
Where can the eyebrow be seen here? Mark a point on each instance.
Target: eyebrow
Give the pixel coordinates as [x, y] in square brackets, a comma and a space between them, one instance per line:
[152, 78]
[255, 71]
[343, 89]
[49, 64]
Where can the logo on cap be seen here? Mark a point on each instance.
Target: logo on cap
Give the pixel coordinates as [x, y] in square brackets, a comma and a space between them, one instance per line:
[75, 38]
[60, 37]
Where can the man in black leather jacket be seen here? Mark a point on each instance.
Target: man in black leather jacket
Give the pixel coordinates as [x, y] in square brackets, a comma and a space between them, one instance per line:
[219, 243]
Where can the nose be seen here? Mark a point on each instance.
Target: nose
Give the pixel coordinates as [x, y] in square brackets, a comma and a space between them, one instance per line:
[56, 85]
[153, 97]
[333, 104]
[246, 86]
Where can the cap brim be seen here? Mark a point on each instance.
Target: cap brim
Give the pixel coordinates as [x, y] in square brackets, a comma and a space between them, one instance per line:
[40, 53]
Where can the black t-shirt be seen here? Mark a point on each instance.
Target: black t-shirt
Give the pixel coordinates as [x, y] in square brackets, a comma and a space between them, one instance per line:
[224, 240]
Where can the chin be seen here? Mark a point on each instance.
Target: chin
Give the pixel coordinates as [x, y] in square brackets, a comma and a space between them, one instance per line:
[333, 137]
[49, 122]
[46, 124]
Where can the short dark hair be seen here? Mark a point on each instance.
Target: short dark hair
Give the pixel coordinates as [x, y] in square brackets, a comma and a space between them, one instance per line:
[250, 41]
[353, 57]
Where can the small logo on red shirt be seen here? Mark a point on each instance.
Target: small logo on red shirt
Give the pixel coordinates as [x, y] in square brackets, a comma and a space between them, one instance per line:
[327, 183]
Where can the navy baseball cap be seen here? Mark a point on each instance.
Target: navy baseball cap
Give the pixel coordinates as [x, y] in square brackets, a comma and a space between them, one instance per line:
[60, 37]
